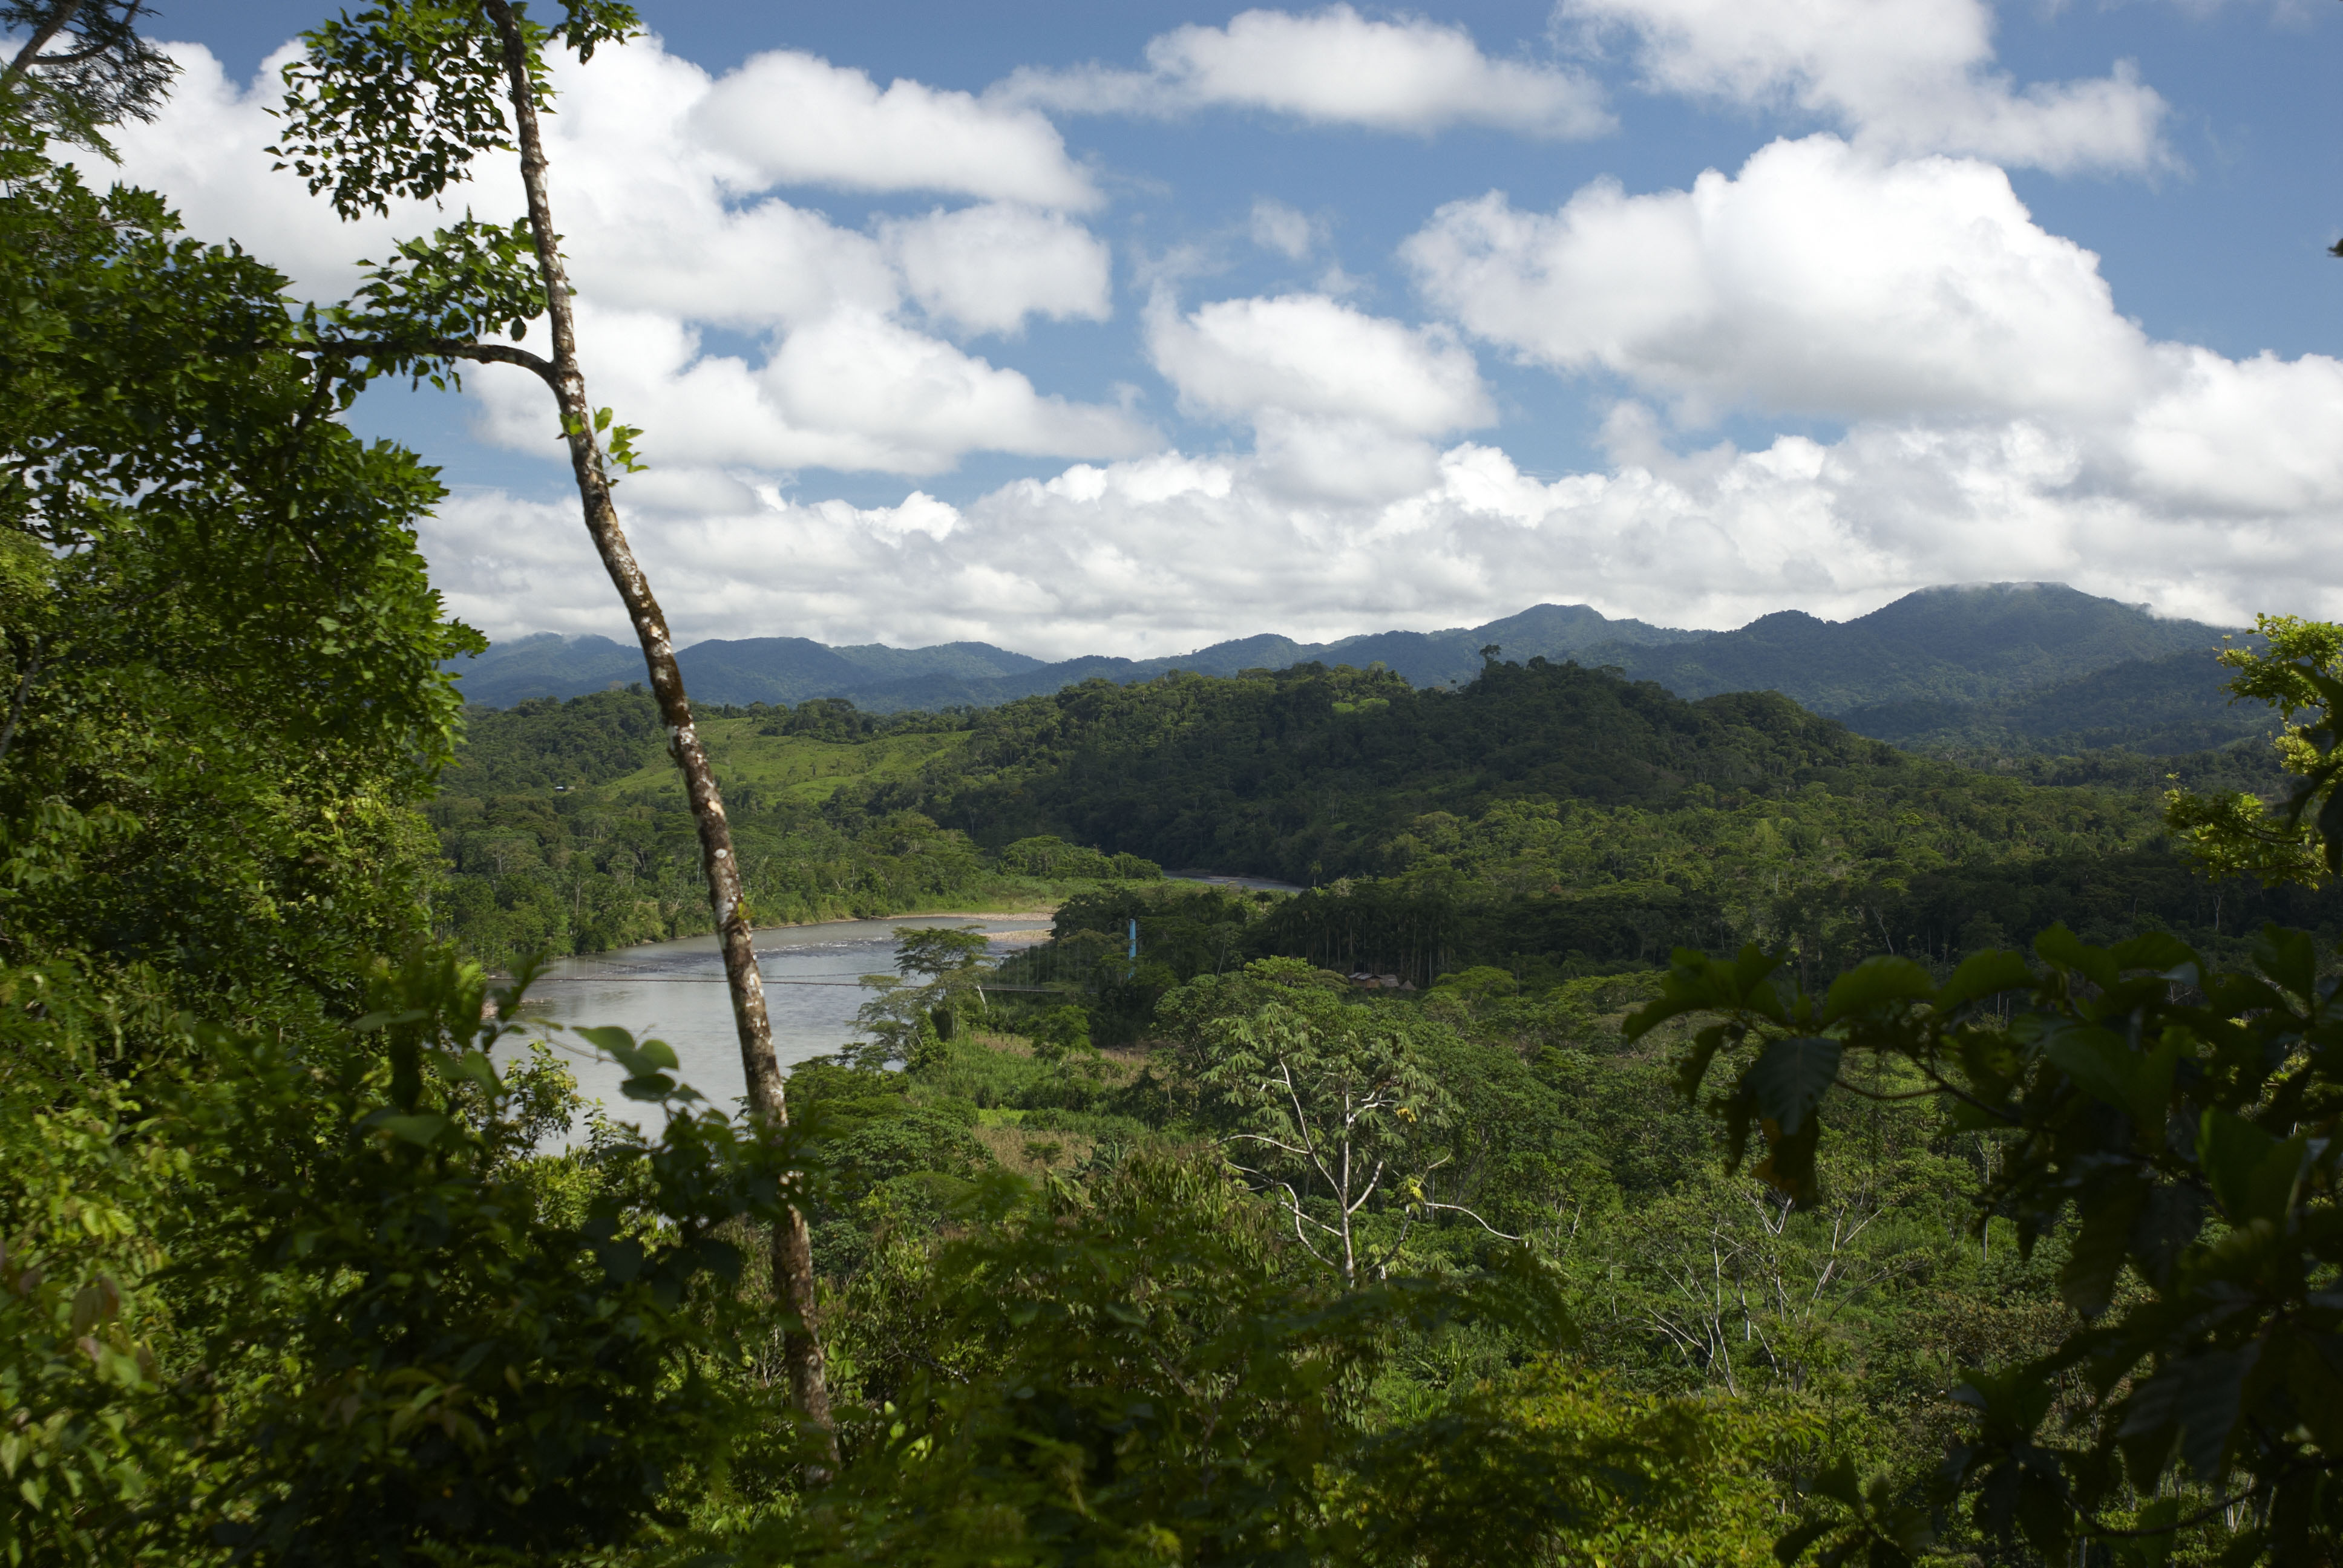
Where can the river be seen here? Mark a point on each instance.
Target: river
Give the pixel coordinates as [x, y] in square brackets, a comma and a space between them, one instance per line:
[674, 992]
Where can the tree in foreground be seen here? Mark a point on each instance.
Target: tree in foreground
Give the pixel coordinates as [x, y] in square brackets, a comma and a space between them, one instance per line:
[2180, 1125]
[81, 67]
[218, 647]
[398, 103]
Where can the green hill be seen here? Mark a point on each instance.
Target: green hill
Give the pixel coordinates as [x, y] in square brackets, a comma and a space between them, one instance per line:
[2031, 667]
[883, 679]
[1546, 815]
[2179, 703]
[1967, 644]
[1309, 772]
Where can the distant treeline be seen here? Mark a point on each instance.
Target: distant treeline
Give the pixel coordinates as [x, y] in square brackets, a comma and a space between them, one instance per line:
[1549, 818]
[543, 853]
[1558, 821]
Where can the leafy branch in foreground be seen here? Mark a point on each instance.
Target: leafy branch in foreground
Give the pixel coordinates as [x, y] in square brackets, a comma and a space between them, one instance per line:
[2299, 672]
[398, 103]
[82, 66]
[2183, 1123]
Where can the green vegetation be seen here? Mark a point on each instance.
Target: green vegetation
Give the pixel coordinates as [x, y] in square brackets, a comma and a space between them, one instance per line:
[564, 827]
[1458, 1210]
[1555, 820]
[1973, 643]
[2179, 703]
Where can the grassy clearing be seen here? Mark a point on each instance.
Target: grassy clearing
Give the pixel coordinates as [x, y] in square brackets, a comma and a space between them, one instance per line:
[1035, 1152]
[795, 767]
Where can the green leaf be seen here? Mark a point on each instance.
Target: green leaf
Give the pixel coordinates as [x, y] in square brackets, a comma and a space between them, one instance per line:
[622, 1259]
[2110, 1209]
[607, 1037]
[1755, 974]
[2152, 1525]
[474, 1068]
[2254, 1175]
[1789, 1163]
[2197, 1397]
[1693, 1069]
[1876, 982]
[2289, 958]
[2277, 1181]
[1840, 1484]
[1790, 1077]
[1982, 975]
[651, 1086]
[2013, 1401]
[2099, 1063]
[375, 1020]
[2159, 952]
[2169, 1223]
[1793, 1545]
[2062, 948]
[422, 1129]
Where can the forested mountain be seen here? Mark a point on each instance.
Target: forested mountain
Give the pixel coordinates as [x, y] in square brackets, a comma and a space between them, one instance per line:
[2007, 666]
[1962, 644]
[1548, 817]
[1557, 816]
[883, 679]
[1668, 1131]
[563, 829]
[2151, 706]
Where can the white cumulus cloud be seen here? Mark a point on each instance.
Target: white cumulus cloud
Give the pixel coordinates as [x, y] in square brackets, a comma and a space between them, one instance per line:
[1276, 227]
[1306, 354]
[1165, 553]
[1819, 280]
[793, 119]
[987, 267]
[1902, 75]
[1332, 66]
[1341, 402]
[667, 237]
[853, 389]
[1990, 388]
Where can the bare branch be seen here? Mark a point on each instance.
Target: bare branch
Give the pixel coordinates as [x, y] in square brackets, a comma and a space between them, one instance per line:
[1460, 1208]
[439, 349]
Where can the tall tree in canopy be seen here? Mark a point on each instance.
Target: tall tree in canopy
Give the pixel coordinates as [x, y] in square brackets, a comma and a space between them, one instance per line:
[218, 647]
[398, 102]
[82, 65]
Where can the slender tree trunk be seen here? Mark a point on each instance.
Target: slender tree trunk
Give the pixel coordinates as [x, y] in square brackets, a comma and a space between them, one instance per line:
[792, 1253]
[23, 694]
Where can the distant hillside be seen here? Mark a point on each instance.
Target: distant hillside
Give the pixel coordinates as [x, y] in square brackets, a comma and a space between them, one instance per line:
[1309, 775]
[1968, 644]
[2021, 669]
[881, 679]
[2157, 707]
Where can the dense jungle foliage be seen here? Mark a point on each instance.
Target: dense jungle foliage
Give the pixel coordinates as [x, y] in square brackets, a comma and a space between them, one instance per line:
[311, 1254]
[1549, 818]
[1948, 646]
[563, 828]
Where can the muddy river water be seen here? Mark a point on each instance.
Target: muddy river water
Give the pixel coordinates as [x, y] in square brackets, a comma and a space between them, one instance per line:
[674, 992]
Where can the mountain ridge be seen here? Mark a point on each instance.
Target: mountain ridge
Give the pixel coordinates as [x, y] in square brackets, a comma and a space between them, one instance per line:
[2014, 665]
[888, 679]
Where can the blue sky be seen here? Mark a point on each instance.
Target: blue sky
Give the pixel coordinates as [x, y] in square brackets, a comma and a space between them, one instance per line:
[1089, 328]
